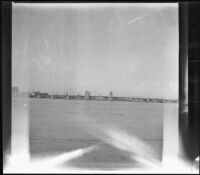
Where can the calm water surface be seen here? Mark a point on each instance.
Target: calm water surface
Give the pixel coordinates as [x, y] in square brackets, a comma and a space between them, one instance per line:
[58, 126]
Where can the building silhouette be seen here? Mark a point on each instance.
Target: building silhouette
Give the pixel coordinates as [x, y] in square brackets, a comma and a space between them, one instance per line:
[110, 98]
[87, 95]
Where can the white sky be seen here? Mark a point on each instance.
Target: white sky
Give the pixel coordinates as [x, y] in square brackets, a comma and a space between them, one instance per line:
[131, 50]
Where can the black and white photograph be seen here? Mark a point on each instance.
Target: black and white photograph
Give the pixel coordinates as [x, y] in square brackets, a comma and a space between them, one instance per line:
[95, 87]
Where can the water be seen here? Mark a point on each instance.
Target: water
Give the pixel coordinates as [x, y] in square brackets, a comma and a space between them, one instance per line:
[57, 126]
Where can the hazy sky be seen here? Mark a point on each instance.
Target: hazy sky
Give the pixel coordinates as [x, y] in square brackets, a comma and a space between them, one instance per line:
[129, 49]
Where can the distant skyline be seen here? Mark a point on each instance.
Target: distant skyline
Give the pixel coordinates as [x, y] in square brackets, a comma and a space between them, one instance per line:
[129, 49]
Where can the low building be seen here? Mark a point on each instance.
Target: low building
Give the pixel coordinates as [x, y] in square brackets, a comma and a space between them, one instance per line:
[39, 95]
[79, 97]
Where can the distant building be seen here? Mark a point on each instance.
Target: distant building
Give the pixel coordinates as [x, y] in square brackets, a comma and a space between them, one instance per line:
[87, 95]
[35, 94]
[55, 96]
[39, 95]
[110, 98]
[138, 100]
[44, 95]
[79, 97]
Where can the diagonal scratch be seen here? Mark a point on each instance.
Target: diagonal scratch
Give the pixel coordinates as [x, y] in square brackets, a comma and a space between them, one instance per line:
[136, 19]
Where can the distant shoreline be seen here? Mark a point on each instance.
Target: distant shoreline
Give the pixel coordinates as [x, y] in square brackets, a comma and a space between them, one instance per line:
[144, 101]
[100, 98]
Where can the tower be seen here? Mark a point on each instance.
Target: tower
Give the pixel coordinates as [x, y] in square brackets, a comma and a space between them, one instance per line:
[110, 98]
[87, 95]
